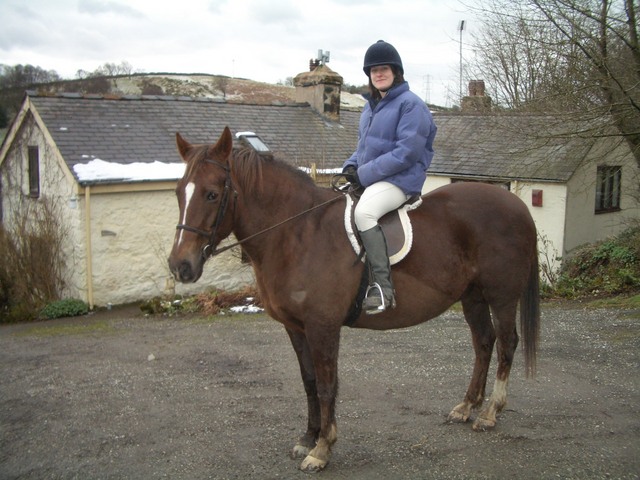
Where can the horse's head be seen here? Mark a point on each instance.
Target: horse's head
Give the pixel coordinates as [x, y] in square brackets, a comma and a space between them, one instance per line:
[205, 199]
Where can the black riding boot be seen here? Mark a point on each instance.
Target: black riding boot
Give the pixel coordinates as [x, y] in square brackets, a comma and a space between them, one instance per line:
[380, 294]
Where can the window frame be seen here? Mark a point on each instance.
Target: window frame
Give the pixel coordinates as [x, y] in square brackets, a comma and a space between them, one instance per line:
[33, 158]
[608, 188]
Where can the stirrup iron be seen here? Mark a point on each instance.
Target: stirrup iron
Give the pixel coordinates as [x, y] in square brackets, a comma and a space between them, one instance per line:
[383, 303]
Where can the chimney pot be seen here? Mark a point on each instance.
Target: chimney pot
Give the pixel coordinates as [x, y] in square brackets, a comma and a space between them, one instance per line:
[476, 88]
[477, 101]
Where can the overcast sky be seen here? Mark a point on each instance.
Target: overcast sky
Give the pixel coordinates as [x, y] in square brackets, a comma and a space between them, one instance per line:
[263, 40]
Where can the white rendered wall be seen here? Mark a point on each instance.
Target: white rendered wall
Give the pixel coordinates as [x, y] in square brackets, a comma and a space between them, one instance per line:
[132, 236]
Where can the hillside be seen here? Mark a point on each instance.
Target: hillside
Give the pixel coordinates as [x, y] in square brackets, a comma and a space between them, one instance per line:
[232, 90]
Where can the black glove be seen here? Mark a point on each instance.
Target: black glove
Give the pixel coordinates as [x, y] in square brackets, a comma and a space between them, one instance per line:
[351, 175]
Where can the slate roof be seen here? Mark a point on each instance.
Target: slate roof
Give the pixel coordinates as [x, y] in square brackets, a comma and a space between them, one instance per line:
[508, 146]
[143, 128]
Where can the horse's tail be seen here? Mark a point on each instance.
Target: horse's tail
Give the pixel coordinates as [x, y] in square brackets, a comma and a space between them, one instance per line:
[530, 318]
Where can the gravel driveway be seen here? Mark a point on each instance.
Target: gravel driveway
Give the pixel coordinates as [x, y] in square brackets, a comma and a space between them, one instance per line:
[116, 395]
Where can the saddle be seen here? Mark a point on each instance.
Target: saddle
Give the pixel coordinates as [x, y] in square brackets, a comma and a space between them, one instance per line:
[396, 227]
[398, 232]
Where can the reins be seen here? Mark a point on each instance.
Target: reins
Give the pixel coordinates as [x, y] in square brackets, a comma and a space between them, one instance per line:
[261, 232]
[224, 203]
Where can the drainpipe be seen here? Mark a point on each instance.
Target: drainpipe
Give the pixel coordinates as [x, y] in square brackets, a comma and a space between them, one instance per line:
[87, 232]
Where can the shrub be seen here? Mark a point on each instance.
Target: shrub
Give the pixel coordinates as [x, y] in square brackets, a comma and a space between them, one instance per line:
[31, 260]
[70, 307]
[150, 88]
[610, 267]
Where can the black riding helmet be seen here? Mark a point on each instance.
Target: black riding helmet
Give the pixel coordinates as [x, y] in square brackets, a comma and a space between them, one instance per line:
[382, 53]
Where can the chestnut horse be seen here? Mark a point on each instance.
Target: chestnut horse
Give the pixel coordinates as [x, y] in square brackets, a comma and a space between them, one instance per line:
[473, 243]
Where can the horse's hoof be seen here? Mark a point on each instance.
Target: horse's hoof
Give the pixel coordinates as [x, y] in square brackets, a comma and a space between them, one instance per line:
[483, 424]
[457, 417]
[312, 464]
[459, 414]
[299, 451]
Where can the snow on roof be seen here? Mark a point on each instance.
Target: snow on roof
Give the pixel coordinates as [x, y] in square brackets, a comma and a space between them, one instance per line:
[100, 170]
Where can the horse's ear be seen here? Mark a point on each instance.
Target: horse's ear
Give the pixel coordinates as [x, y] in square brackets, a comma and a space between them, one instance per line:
[183, 146]
[223, 146]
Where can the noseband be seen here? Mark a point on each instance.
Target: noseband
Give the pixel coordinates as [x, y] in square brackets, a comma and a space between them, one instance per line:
[209, 248]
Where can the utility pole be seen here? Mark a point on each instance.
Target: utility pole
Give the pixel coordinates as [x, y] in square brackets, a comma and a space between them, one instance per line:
[461, 26]
[426, 82]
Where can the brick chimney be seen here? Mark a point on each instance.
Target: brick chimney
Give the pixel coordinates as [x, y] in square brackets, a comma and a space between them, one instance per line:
[476, 101]
[320, 88]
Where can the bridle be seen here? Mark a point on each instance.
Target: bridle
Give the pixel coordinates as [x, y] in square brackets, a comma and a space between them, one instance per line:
[209, 250]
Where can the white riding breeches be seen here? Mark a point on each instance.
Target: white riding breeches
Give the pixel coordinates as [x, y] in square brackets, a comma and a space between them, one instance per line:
[376, 200]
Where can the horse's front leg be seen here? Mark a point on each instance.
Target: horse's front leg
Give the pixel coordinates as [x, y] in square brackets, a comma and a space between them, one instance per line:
[323, 342]
[308, 440]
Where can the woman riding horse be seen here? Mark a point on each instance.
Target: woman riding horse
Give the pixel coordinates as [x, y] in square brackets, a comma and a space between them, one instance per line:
[395, 148]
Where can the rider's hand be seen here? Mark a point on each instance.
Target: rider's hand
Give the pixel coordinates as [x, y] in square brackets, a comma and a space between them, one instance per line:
[351, 175]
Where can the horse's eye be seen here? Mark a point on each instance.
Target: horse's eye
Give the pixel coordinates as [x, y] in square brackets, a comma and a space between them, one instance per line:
[211, 196]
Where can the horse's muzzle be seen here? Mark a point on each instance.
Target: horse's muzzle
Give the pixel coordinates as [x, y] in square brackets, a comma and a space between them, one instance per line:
[184, 272]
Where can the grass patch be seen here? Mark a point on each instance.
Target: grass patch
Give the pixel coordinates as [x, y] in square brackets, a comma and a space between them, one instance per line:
[99, 327]
[625, 302]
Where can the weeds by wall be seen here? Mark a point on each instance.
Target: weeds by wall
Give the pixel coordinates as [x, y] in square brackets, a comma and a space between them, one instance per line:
[31, 260]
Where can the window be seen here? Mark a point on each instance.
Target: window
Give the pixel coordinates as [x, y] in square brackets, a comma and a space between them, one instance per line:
[34, 172]
[608, 189]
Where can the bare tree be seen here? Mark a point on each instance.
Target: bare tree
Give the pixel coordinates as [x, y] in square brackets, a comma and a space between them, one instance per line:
[222, 84]
[19, 76]
[108, 69]
[513, 57]
[578, 56]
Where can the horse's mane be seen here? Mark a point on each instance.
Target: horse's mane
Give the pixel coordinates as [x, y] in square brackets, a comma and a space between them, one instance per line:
[247, 167]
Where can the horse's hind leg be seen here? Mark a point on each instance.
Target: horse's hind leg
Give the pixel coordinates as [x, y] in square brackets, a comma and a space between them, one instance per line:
[505, 327]
[477, 315]
[308, 440]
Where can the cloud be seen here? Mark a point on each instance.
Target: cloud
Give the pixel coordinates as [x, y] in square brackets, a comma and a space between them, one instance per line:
[22, 26]
[101, 7]
[264, 40]
[279, 12]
